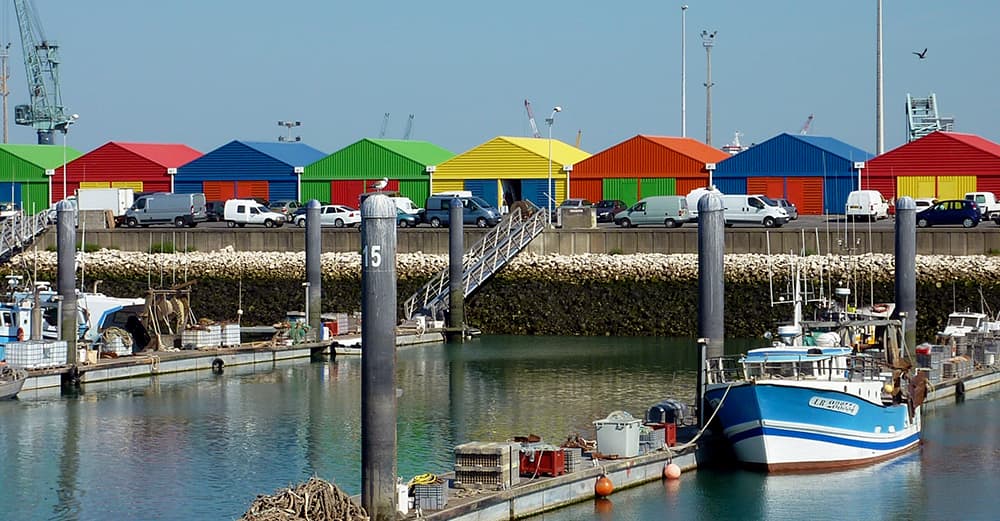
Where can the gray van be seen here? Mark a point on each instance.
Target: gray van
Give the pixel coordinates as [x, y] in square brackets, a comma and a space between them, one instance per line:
[667, 210]
[164, 208]
[475, 210]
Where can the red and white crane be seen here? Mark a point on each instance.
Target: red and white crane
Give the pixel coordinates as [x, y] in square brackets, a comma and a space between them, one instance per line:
[805, 126]
[531, 119]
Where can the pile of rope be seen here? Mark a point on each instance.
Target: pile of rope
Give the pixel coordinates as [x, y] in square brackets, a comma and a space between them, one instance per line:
[315, 500]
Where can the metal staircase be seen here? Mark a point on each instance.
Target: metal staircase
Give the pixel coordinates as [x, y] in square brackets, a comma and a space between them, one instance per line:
[922, 117]
[19, 230]
[480, 262]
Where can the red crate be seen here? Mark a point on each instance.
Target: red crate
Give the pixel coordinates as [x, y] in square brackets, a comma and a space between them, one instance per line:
[670, 435]
[545, 463]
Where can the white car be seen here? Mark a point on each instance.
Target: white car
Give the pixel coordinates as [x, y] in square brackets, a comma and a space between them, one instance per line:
[924, 202]
[336, 215]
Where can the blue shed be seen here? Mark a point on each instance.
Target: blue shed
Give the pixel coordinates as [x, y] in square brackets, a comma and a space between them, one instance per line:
[813, 172]
[248, 169]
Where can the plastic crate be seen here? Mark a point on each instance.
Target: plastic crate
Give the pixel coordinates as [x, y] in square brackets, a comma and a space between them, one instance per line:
[543, 462]
[573, 458]
[618, 434]
[489, 465]
[433, 496]
[36, 354]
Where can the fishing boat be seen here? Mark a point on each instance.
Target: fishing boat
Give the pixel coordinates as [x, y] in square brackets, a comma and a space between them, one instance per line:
[829, 393]
[11, 380]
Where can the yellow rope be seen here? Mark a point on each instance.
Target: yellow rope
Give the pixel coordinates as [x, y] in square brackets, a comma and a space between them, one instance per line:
[423, 479]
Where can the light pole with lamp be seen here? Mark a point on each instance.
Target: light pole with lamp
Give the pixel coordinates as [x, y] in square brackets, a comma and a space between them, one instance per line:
[859, 166]
[684, 9]
[65, 130]
[289, 125]
[549, 121]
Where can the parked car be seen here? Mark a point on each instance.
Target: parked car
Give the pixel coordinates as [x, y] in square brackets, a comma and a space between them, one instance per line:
[406, 220]
[607, 209]
[336, 215]
[241, 212]
[286, 208]
[575, 202]
[214, 210]
[666, 210]
[475, 210]
[956, 211]
[869, 204]
[987, 203]
[925, 202]
[793, 211]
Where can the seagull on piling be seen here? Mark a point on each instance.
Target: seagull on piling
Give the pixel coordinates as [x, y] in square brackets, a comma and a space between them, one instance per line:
[921, 55]
[380, 184]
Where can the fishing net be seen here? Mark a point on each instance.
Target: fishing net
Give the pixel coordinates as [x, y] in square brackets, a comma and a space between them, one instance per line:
[316, 500]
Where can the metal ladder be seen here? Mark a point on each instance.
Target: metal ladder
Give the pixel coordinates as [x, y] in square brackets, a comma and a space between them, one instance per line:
[19, 230]
[480, 262]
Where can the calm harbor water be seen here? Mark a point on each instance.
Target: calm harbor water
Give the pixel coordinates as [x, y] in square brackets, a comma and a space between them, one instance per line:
[201, 446]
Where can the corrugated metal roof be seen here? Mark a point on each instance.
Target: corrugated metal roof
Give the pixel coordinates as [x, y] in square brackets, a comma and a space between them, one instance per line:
[690, 147]
[423, 152]
[793, 155]
[939, 153]
[650, 156]
[167, 155]
[509, 158]
[292, 154]
[835, 147]
[561, 152]
[42, 156]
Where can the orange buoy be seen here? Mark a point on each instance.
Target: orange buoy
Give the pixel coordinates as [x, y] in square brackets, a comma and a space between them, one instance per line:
[672, 471]
[604, 487]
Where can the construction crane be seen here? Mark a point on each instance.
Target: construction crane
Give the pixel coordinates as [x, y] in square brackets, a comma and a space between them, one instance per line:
[45, 113]
[531, 119]
[385, 124]
[579, 134]
[805, 126]
[409, 128]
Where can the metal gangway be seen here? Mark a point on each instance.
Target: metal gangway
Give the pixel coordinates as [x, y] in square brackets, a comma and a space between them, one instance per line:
[20, 230]
[480, 262]
[922, 117]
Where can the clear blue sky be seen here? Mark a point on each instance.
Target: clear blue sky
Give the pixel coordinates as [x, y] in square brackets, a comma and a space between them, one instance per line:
[204, 72]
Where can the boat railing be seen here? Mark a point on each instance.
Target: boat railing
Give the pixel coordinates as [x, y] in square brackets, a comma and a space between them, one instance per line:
[852, 368]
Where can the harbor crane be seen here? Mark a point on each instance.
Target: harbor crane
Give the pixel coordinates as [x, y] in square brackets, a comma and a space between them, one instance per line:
[531, 119]
[806, 125]
[409, 128]
[385, 124]
[45, 112]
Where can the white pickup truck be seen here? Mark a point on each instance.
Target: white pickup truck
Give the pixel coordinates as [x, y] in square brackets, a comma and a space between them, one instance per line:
[988, 205]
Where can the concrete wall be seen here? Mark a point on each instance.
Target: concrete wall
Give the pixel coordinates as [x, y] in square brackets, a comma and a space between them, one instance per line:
[980, 241]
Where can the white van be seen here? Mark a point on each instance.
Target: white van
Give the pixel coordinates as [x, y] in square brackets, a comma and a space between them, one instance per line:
[667, 210]
[868, 204]
[694, 196]
[753, 209]
[988, 205]
[406, 205]
[241, 212]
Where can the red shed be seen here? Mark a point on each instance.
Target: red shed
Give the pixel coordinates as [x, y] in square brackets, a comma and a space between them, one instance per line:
[143, 167]
[944, 165]
[643, 166]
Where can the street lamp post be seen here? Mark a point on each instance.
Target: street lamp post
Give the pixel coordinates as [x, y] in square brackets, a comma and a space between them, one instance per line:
[549, 121]
[289, 125]
[684, 9]
[708, 40]
[65, 130]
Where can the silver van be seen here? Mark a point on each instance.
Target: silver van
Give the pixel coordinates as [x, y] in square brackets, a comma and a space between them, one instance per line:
[667, 210]
[165, 208]
[753, 209]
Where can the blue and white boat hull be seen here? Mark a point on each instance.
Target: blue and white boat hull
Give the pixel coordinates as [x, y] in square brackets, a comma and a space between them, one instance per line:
[813, 425]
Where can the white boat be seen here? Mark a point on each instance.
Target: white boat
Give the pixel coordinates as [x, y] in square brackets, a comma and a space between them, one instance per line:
[810, 402]
[11, 381]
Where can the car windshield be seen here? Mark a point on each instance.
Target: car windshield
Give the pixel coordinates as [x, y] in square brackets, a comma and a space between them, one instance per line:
[768, 201]
[606, 204]
[481, 202]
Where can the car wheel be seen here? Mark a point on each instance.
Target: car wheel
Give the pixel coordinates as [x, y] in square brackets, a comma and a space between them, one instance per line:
[242, 225]
[769, 222]
[132, 222]
[670, 223]
[922, 223]
[481, 222]
[339, 223]
[193, 224]
[435, 222]
[301, 223]
[231, 224]
[626, 223]
[969, 223]
[179, 222]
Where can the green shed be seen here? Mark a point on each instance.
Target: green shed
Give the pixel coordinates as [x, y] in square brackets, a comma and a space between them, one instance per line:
[341, 177]
[23, 178]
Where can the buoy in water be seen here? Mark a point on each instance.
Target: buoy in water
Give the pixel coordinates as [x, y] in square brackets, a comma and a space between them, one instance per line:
[217, 366]
[672, 471]
[603, 505]
[604, 487]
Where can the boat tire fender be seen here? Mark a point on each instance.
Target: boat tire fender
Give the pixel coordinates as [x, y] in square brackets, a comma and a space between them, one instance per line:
[218, 366]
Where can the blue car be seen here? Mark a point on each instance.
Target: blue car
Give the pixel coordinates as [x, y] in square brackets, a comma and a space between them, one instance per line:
[406, 220]
[957, 211]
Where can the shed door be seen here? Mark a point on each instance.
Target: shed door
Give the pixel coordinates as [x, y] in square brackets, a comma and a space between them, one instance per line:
[773, 187]
[806, 193]
[219, 190]
[685, 185]
[252, 190]
[623, 189]
[591, 189]
[534, 190]
[916, 186]
[136, 186]
[10, 192]
[94, 184]
[955, 186]
[347, 192]
[485, 188]
[650, 186]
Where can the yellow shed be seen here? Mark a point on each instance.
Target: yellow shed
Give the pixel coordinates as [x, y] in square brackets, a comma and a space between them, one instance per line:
[507, 169]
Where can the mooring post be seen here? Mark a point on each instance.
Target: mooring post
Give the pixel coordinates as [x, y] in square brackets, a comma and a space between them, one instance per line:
[699, 393]
[906, 267]
[456, 270]
[711, 271]
[314, 274]
[66, 275]
[378, 361]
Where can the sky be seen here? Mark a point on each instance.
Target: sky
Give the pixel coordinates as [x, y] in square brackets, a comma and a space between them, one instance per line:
[205, 72]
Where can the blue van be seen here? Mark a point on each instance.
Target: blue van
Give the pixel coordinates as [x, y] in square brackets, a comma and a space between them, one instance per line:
[475, 210]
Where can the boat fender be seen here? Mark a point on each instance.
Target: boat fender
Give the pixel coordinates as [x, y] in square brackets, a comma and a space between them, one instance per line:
[20, 334]
[960, 389]
[217, 366]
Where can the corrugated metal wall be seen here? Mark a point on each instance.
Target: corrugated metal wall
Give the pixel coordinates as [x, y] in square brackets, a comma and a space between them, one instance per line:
[806, 193]
[268, 177]
[94, 184]
[916, 186]
[936, 154]
[192, 187]
[592, 189]
[10, 192]
[955, 186]
[885, 185]
[685, 185]
[218, 190]
[485, 188]
[136, 186]
[623, 189]
[988, 184]
[416, 190]
[731, 185]
[316, 189]
[346, 192]
[835, 192]
[447, 185]
[34, 196]
[258, 189]
[773, 187]
[534, 190]
[650, 186]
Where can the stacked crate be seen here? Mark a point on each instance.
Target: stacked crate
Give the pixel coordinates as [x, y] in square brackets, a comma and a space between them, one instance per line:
[489, 465]
[36, 354]
[198, 337]
[431, 496]
[573, 459]
[651, 439]
[231, 335]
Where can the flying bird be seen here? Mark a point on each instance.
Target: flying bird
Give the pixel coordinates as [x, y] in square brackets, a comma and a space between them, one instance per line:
[380, 184]
[921, 55]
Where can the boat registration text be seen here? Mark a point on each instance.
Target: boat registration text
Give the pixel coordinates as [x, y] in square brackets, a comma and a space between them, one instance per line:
[834, 405]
